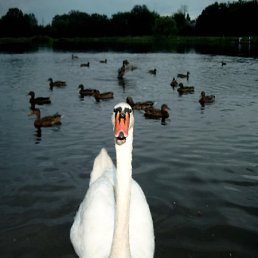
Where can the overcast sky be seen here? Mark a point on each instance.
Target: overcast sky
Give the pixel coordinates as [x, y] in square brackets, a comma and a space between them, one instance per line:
[45, 10]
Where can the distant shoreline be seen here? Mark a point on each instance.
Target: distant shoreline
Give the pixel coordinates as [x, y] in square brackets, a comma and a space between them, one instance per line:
[133, 44]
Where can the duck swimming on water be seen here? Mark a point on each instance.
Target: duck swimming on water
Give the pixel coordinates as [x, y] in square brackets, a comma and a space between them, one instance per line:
[180, 75]
[46, 121]
[154, 113]
[53, 84]
[206, 99]
[174, 83]
[103, 96]
[38, 101]
[86, 92]
[185, 89]
[139, 105]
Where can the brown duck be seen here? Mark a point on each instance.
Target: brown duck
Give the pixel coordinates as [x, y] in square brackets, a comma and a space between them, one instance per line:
[174, 83]
[38, 101]
[185, 89]
[153, 71]
[53, 84]
[154, 113]
[206, 99]
[86, 92]
[103, 61]
[85, 64]
[103, 96]
[46, 121]
[180, 75]
[139, 105]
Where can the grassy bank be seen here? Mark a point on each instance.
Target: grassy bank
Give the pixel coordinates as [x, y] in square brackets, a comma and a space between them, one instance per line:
[132, 44]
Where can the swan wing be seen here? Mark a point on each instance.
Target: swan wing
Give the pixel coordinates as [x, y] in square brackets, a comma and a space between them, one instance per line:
[102, 164]
[92, 231]
[141, 225]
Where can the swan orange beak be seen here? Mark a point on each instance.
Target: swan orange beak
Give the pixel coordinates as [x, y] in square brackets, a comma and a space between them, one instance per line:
[122, 121]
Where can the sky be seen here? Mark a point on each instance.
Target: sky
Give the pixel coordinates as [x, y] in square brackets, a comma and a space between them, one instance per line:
[45, 10]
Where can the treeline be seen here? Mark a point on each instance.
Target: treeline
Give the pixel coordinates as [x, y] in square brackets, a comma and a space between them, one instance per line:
[229, 19]
[224, 19]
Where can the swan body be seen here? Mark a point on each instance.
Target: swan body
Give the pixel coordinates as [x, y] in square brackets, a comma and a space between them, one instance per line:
[114, 218]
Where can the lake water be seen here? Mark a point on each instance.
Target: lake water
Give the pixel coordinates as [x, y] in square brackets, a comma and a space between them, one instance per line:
[199, 171]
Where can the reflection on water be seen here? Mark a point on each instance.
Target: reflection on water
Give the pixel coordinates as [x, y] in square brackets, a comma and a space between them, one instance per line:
[38, 135]
[198, 168]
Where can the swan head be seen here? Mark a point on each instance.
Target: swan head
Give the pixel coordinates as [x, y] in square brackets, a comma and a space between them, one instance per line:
[123, 121]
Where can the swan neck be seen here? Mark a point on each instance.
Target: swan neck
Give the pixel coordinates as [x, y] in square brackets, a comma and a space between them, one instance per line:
[120, 245]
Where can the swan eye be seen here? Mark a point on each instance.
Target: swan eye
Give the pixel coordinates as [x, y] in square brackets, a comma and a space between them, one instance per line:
[129, 110]
[119, 109]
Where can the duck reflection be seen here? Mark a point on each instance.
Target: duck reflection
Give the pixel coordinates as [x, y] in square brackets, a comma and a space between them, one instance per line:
[123, 83]
[37, 134]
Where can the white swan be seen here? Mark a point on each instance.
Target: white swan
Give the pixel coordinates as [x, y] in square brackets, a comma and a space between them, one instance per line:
[114, 219]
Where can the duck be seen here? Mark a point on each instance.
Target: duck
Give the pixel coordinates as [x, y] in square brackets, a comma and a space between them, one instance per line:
[174, 83]
[128, 66]
[206, 99]
[86, 92]
[139, 105]
[180, 75]
[74, 56]
[85, 64]
[223, 63]
[46, 121]
[114, 218]
[56, 83]
[38, 101]
[103, 96]
[185, 89]
[154, 113]
[103, 61]
[153, 71]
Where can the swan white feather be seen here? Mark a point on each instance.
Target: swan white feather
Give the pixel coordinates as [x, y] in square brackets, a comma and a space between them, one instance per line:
[93, 231]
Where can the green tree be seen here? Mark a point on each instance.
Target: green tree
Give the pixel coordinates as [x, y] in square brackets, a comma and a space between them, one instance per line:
[165, 25]
[15, 24]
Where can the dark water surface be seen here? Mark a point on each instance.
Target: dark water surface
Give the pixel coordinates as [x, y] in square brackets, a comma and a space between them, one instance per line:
[199, 171]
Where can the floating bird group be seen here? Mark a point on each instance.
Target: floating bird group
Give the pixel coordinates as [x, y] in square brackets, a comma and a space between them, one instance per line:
[114, 219]
[181, 89]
